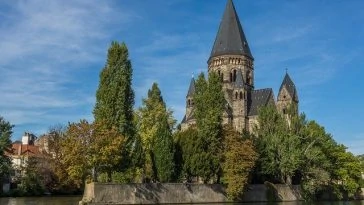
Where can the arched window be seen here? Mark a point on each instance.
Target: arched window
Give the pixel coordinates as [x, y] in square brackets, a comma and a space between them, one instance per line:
[231, 77]
[241, 95]
[234, 76]
[222, 77]
[189, 102]
[236, 95]
[218, 72]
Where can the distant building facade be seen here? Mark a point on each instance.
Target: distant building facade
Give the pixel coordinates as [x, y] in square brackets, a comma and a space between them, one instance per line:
[20, 153]
[233, 61]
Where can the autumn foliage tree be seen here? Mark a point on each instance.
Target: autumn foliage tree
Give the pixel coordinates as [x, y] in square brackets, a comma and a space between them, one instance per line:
[238, 161]
[106, 149]
[75, 147]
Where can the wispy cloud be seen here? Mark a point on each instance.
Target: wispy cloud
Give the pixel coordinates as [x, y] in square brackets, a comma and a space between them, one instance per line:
[45, 50]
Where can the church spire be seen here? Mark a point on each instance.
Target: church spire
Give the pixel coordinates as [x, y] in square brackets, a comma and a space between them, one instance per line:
[191, 89]
[230, 39]
[290, 87]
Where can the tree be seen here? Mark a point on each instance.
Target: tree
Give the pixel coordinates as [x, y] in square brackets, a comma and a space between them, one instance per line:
[209, 104]
[106, 149]
[75, 146]
[155, 130]
[5, 144]
[54, 156]
[238, 161]
[186, 149]
[32, 182]
[163, 152]
[115, 96]
[279, 150]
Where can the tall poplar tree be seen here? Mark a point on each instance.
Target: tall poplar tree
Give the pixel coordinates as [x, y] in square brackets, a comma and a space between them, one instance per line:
[115, 99]
[155, 129]
[115, 96]
[209, 104]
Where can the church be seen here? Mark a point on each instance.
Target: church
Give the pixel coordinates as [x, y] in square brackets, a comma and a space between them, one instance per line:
[233, 61]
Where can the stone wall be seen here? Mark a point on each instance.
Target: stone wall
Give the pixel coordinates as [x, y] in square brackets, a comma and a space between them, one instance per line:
[156, 193]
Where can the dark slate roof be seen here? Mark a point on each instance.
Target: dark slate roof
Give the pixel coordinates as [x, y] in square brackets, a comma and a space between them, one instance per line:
[258, 99]
[239, 82]
[191, 89]
[290, 86]
[230, 39]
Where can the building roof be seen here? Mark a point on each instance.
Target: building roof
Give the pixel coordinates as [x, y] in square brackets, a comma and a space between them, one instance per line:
[191, 89]
[259, 98]
[290, 86]
[23, 150]
[239, 82]
[230, 39]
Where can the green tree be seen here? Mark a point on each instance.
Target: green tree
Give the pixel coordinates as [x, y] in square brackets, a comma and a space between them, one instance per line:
[238, 161]
[209, 104]
[278, 148]
[315, 165]
[163, 151]
[5, 144]
[115, 96]
[155, 128]
[32, 182]
[186, 149]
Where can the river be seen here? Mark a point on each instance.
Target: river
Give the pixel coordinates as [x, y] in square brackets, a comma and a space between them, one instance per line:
[75, 199]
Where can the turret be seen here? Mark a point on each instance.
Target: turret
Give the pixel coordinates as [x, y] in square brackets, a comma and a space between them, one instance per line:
[188, 119]
[287, 95]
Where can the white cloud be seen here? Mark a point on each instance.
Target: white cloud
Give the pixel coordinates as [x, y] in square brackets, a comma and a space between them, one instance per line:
[45, 47]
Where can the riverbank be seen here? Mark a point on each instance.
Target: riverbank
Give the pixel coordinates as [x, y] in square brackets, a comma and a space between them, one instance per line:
[157, 193]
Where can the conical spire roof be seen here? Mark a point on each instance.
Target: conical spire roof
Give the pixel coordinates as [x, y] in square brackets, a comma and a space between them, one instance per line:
[191, 89]
[290, 86]
[230, 39]
[239, 82]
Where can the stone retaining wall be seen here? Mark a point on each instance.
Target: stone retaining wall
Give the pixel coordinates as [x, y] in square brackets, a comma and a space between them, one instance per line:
[156, 193]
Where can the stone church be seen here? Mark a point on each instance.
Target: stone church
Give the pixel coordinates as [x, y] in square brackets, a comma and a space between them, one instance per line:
[232, 59]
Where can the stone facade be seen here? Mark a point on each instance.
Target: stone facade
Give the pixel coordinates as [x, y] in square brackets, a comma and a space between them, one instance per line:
[232, 60]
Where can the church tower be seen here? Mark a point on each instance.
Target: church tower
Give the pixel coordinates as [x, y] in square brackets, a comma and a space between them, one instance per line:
[232, 60]
[188, 118]
[287, 95]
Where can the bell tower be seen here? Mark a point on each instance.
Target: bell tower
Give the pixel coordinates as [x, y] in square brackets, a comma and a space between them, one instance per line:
[287, 95]
[232, 60]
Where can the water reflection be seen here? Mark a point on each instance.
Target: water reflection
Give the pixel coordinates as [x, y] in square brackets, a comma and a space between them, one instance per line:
[41, 200]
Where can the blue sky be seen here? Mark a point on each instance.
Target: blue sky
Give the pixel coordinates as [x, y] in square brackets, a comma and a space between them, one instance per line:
[51, 53]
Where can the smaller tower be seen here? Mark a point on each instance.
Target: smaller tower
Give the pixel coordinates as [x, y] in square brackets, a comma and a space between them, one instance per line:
[188, 118]
[239, 100]
[287, 95]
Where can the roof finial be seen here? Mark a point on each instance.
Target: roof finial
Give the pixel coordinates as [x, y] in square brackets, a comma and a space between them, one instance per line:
[193, 75]
[286, 70]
